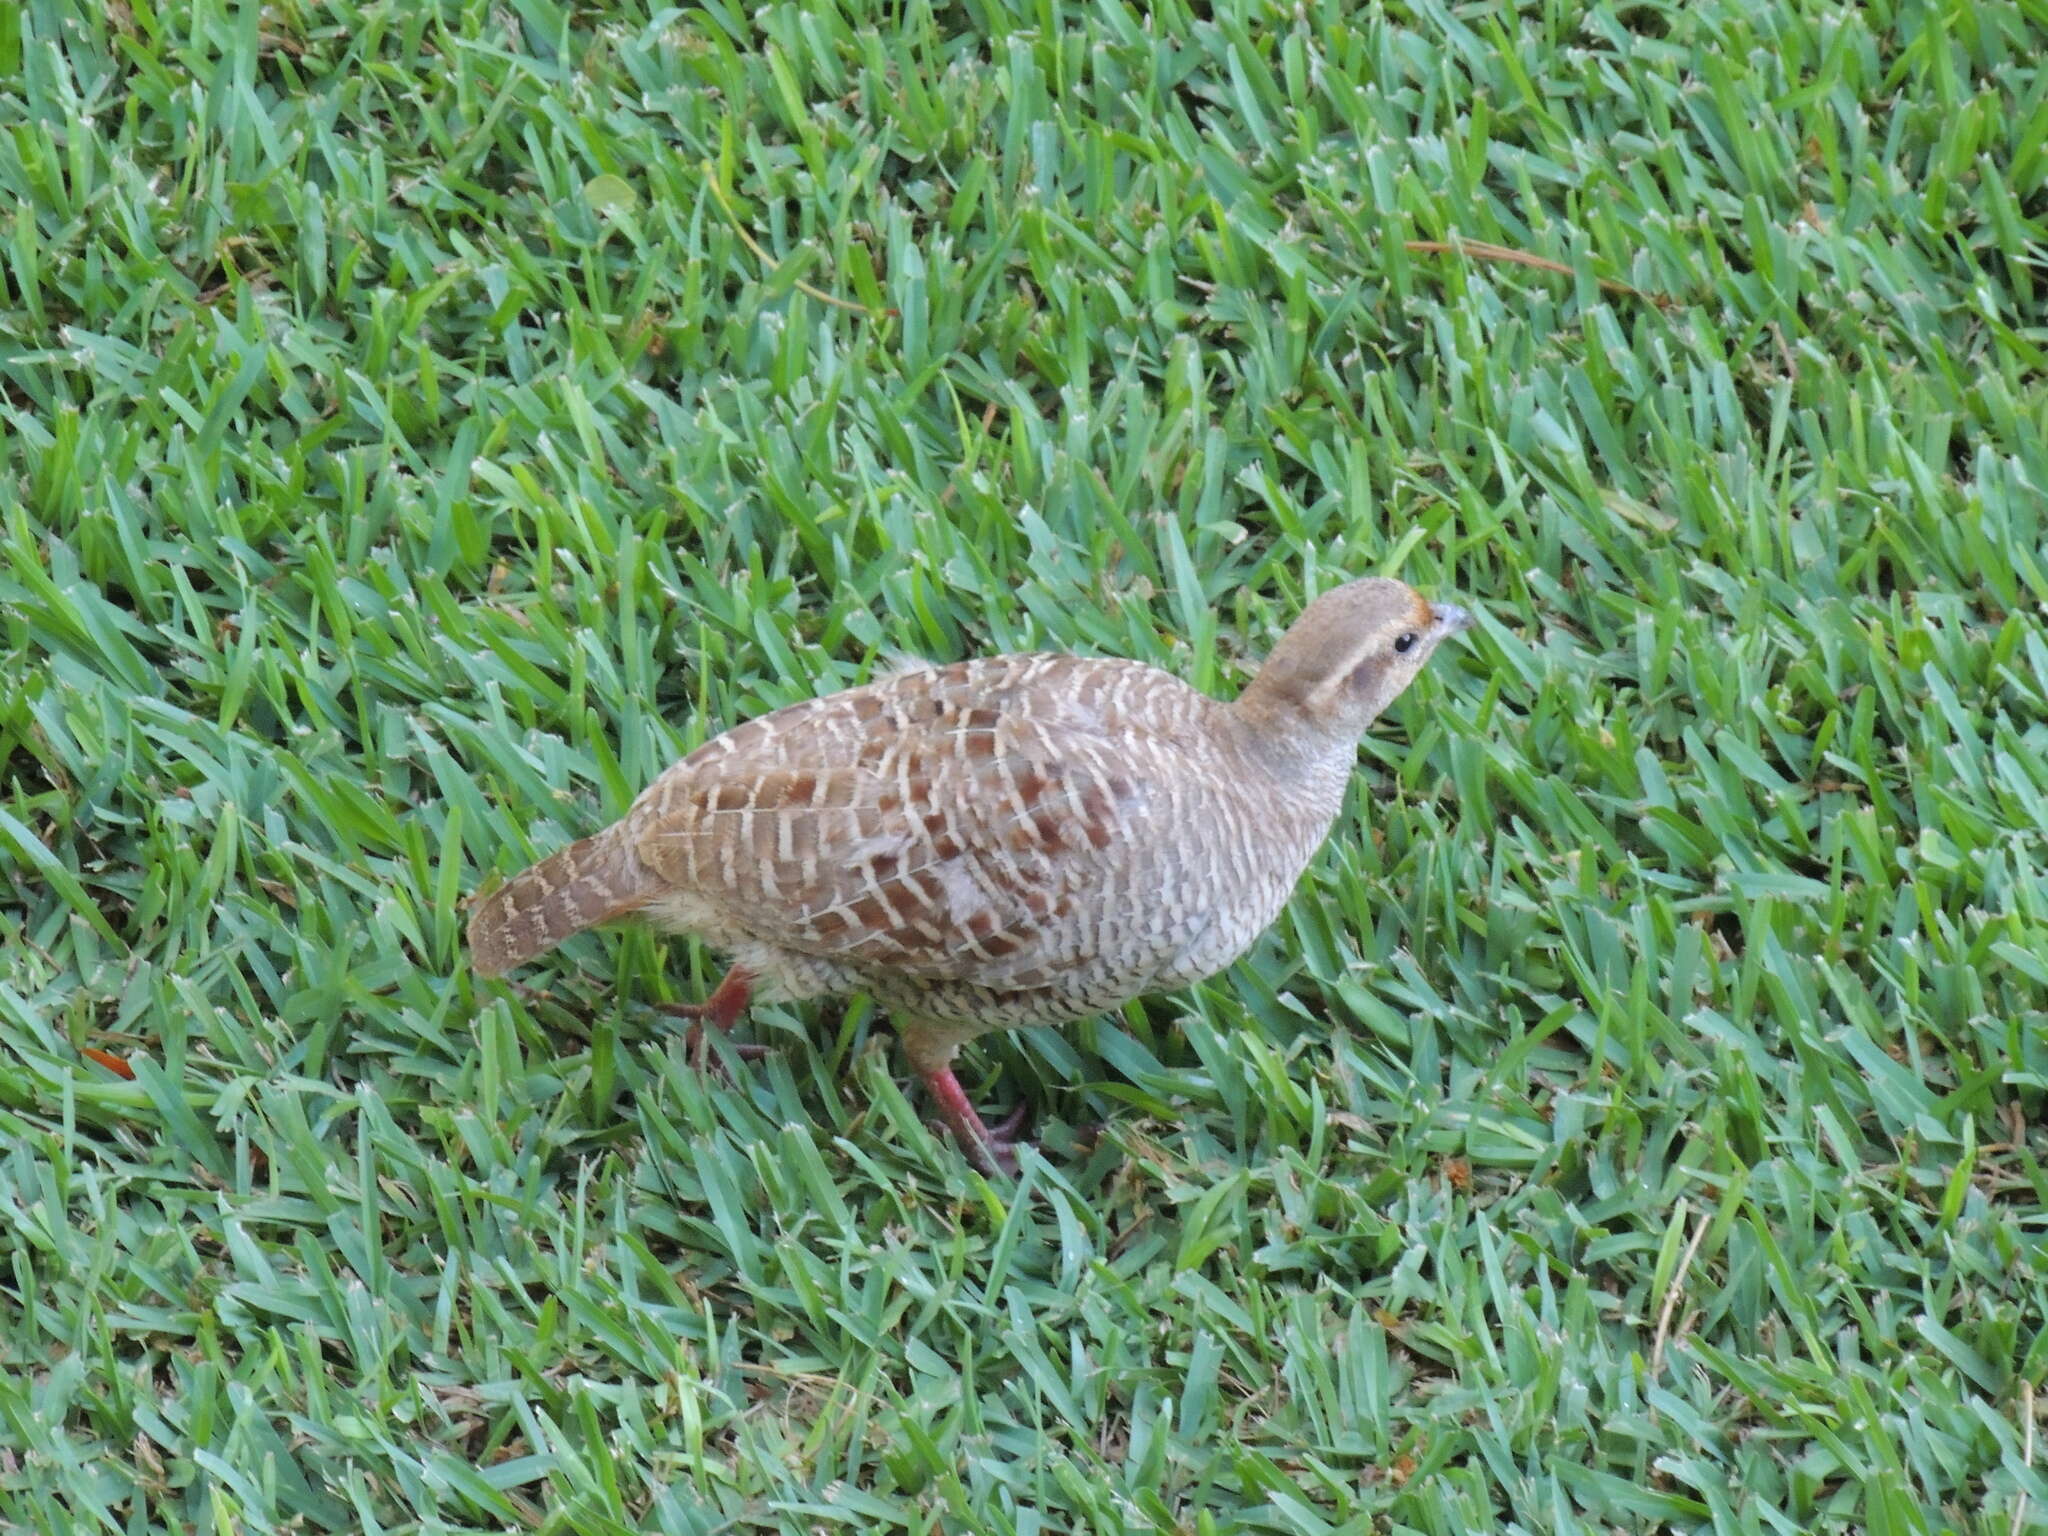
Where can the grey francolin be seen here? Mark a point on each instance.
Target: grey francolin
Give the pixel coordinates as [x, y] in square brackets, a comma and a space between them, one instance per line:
[1016, 840]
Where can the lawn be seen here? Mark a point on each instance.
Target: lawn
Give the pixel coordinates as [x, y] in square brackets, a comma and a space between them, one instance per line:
[424, 421]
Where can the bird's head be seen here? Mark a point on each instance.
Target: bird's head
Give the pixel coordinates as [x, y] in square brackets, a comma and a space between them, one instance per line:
[1348, 657]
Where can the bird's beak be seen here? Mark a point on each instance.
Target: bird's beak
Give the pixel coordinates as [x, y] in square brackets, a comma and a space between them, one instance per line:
[1451, 619]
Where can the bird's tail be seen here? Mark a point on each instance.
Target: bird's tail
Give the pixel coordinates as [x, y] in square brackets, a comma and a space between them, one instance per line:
[587, 882]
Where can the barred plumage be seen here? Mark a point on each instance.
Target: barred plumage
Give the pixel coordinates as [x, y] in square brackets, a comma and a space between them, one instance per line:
[1014, 840]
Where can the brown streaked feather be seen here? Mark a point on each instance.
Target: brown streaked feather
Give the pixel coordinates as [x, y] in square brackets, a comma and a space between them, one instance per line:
[939, 824]
[588, 882]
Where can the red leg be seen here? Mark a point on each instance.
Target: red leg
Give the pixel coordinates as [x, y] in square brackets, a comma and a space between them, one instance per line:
[993, 1151]
[728, 1000]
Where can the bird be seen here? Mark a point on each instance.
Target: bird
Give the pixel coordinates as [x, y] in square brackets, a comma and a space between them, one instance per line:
[1011, 840]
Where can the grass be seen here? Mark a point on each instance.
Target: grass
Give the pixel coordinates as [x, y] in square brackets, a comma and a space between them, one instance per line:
[423, 422]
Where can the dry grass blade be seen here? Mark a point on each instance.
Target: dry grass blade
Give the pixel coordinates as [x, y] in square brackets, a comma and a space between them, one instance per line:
[1482, 250]
[761, 254]
[1674, 1291]
[2019, 1508]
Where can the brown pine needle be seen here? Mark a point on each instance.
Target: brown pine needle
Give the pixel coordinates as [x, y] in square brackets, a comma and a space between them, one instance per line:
[1483, 250]
[747, 239]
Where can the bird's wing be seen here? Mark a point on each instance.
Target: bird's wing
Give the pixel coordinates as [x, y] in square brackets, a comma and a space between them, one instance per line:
[949, 823]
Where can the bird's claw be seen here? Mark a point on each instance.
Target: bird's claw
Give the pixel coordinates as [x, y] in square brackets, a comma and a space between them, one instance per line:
[1010, 1129]
[991, 1148]
[698, 1043]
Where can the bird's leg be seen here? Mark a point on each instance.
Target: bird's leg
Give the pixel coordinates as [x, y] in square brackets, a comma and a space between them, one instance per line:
[728, 1000]
[993, 1149]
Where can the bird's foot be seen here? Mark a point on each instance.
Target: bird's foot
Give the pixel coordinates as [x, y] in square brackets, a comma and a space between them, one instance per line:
[698, 1044]
[991, 1148]
[728, 1000]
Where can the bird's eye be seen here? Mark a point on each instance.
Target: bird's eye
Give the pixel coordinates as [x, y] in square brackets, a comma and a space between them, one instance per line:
[1405, 643]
